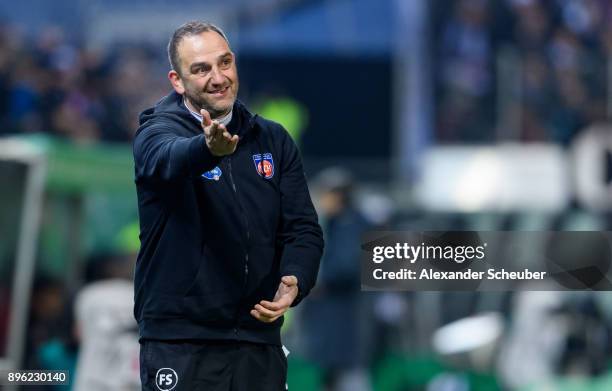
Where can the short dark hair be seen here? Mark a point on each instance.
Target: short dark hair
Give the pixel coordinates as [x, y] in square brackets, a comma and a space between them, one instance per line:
[190, 28]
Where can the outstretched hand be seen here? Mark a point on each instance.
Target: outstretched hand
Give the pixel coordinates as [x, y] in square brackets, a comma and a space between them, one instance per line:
[219, 141]
[269, 311]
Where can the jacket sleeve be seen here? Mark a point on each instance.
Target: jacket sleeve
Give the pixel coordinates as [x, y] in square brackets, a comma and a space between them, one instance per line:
[162, 155]
[301, 235]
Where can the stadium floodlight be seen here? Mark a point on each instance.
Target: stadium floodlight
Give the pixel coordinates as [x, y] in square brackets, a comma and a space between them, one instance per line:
[22, 180]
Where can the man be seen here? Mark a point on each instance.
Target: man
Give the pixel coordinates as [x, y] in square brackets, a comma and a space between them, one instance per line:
[230, 239]
[106, 329]
[339, 345]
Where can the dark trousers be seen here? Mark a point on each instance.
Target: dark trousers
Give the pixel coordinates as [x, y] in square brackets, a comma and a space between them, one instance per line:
[211, 366]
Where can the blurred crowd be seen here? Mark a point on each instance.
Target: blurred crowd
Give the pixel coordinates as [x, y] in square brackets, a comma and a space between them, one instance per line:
[525, 70]
[53, 83]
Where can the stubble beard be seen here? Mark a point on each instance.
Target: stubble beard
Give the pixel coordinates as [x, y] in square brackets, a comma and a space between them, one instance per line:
[199, 102]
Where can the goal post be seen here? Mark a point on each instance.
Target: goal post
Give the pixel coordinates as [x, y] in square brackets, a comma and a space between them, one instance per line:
[22, 183]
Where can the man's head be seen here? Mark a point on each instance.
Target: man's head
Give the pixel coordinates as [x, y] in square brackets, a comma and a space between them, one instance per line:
[335, 185]
[203, 67]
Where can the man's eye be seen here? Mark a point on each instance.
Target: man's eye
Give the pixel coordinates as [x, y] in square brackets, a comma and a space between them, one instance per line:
[227, 62]
[199, 70]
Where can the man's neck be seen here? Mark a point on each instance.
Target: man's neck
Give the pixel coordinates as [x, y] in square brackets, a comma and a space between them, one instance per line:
[190, 106]
[223, 119]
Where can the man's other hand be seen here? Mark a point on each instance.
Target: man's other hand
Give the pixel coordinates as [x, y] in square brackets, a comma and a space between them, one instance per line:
[269, 311]
[219, 141]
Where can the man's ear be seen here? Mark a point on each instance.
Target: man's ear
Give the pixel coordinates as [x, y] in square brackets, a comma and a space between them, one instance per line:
[177, 83]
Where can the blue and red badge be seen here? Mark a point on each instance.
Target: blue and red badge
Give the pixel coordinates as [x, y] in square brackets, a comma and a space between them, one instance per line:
[213, 174]
[264, 165]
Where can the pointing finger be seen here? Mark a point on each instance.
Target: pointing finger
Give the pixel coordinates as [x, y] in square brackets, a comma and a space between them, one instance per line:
[210, 130]
[216, 131]
[206, 121]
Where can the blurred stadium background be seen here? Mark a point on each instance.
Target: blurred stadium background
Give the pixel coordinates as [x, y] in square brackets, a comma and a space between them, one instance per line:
[410, 114]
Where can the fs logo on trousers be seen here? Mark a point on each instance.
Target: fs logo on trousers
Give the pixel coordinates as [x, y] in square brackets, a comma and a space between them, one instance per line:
[264, 165]
[166, 379]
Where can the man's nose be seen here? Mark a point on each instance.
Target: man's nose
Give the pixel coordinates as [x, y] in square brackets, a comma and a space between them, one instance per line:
[216, 76]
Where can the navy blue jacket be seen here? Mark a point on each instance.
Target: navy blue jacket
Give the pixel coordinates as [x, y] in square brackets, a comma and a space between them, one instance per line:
[217, 233]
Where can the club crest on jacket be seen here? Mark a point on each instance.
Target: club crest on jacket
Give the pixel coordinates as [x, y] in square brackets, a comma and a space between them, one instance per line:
[265, 165]
[213, 174]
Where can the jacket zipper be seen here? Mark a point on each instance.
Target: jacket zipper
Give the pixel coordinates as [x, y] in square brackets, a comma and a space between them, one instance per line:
[248, 236]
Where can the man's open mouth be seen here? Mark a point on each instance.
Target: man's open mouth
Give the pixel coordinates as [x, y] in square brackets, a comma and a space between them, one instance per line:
[220, 91]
